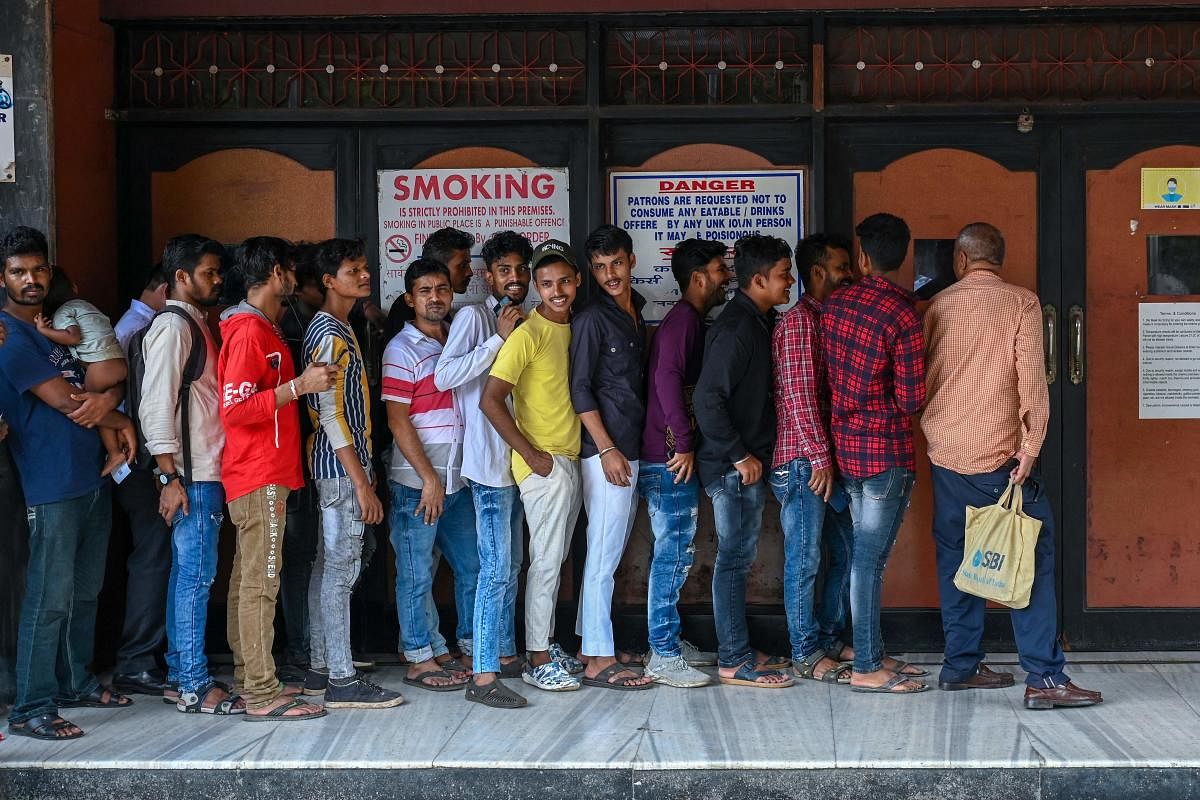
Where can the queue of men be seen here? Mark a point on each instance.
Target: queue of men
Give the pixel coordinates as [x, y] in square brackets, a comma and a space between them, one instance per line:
[502, 420]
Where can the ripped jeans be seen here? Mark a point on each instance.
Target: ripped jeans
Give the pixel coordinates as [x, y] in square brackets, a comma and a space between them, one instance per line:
[193, 568]
[672, 508]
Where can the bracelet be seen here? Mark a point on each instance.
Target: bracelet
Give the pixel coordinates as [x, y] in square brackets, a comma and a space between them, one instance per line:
[292, 386]
[744, 460]
[605, 450]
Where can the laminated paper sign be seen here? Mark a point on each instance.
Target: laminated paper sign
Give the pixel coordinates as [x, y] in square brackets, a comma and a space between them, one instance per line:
[413, 203]
[8, 150]
[659, 210]
[1170, 188]
[1169, 360]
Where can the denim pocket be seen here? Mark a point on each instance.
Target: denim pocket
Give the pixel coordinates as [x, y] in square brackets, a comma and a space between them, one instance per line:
[895, 484]
[329, 493]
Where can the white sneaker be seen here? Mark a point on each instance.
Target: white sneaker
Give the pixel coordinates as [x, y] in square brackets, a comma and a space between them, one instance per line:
[695, 657]
[675, 671]
[550, 677]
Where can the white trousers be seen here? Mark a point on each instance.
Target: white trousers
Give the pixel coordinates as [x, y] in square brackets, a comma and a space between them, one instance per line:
[610, 512]
[551, 508]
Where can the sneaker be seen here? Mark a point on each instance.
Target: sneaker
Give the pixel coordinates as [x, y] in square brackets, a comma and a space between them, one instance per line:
[550, 677]
[291, 673]
[569, 662]
[315, 682]
[358, 692]
[675, 671]
[695, 657]
[363, 666]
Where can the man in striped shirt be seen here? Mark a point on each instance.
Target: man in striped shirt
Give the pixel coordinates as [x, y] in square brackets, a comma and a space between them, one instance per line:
[339, 456]
[430, 502]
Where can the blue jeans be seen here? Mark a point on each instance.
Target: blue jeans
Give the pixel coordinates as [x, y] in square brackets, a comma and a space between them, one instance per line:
[498, 515]
[413, 541]
[193, 568]
[737, 511]
[1035, 627]
[68, 543]
[877, 506]
[806, 520]
[672, 508]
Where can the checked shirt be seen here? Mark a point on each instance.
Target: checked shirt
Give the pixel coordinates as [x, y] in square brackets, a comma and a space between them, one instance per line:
[801, 391]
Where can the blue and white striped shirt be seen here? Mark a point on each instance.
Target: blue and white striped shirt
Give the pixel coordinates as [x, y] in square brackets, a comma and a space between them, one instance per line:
[342, 415]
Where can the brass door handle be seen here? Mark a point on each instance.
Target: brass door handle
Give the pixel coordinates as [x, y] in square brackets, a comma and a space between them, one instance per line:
[1050, 342]
[1075, 344]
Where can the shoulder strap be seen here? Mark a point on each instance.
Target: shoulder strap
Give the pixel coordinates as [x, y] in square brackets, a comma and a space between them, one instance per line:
[193, 368]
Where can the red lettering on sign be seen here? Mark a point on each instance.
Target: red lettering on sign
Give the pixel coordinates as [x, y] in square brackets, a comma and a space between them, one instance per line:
[706, 185]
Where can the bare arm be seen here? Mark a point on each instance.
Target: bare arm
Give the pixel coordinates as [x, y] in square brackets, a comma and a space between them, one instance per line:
[68, 336]
[616, 467]
[492, 404]
[433, 494]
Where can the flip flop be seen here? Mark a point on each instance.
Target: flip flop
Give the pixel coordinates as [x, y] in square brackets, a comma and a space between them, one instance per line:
[901, 665]
[45, 727]
[606, 679]
[747, 675]
[280, 714]
[420, 683]
[94, 700]
[890, 686]
[775, 663]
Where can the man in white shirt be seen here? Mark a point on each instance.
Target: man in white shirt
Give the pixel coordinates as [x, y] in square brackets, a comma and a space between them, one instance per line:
[474, 340]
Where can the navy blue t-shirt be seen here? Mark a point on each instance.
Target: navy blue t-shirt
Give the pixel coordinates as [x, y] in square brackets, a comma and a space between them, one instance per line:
[56, 459]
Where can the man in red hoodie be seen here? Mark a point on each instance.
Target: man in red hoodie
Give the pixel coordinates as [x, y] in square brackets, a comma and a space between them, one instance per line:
[259, 390]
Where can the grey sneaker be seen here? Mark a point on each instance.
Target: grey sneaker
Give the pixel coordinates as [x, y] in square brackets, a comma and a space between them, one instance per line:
[695, 657]
[675, 671]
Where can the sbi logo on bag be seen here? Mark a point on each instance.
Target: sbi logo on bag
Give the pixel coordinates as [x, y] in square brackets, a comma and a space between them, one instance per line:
[990, 559]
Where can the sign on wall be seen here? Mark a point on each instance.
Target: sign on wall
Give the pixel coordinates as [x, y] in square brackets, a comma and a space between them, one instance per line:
[8, 150]
[1169, 360]
[1170, 187]
[659, 210]
[413, 203]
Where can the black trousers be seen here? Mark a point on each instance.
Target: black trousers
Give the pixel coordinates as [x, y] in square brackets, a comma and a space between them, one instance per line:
[143, 637]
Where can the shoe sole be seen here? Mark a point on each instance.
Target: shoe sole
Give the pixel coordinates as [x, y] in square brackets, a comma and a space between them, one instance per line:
[399, 701]
[1046, 705]
[537, 685]
[959, 687]
[676, 683]
[312, 692]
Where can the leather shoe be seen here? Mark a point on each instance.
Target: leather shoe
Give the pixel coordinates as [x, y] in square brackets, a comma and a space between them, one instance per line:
[1067, 695]
[151, 681]
[984, 678]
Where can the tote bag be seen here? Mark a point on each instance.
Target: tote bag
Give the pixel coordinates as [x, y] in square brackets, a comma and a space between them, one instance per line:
[998, 552]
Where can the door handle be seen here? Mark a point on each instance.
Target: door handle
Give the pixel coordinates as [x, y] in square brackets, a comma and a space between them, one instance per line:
[1050, 342]
[1075, 344]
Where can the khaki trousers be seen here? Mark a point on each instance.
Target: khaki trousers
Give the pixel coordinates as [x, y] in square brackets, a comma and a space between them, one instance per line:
[551, 508]
[260, 518]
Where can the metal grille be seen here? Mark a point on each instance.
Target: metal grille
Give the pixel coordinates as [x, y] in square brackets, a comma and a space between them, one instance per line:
[996, 63]
[298, 69]
[700, 66]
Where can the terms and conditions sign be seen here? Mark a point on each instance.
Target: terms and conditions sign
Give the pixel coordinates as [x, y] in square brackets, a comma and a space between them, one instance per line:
[1169, 360]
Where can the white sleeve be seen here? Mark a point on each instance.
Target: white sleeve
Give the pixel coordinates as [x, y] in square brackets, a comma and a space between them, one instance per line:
[469, 350]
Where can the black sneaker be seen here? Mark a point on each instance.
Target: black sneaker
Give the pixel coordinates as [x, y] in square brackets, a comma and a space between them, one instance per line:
[315, 682]
[358, 692]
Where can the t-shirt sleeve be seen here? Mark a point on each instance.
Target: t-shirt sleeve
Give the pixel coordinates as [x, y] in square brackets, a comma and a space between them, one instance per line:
[399, 372]
[514, 356]
[24, 365]
[66, 316]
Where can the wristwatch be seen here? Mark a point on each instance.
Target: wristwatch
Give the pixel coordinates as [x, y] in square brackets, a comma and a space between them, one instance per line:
[165, 478]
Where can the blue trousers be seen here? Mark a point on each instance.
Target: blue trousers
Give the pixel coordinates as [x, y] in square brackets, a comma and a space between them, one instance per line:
[1035, 627]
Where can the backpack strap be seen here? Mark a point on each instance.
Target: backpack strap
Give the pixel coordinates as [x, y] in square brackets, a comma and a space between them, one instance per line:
[193, 368]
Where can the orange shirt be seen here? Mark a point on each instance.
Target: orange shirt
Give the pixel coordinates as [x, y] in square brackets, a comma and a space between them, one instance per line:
[985, 374]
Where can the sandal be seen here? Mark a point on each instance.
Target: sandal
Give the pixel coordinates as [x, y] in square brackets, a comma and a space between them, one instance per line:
[770, 662]
[806, 668]
[194, 702]
[747, 675]
[892, 686]
[452, 664]
[420, 681]
[836, 650]
[606, 679]
[512, 669]
[495, 695]
[96, 700]
[45, 727]
[280, 714]
[902, 665]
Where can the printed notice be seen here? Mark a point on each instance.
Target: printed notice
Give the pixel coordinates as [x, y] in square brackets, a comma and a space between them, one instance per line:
[1169, 360]
[413, 203]
[659, 210]
[8, 150]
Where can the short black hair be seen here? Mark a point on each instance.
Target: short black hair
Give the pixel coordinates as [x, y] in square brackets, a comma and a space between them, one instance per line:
[422, 267]
[184, 252]
[60, 291]
[502, 243]
[884, 238]
[332, 252]
[304, 257]
[607, 240]
[258, 257]
[693, 255]
[813, 250]
[755, 255]
[23, 241]
[155, 279]
[443, 243]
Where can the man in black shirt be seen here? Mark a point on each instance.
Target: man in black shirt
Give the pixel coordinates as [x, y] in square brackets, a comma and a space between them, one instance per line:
[608, 393]
[735, 410]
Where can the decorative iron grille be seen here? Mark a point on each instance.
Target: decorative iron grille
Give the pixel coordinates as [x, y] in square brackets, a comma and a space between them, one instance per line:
[1016, 63]
[305, 69]
[700, 66]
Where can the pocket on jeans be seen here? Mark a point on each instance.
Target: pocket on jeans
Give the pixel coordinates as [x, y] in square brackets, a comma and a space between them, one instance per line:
[896, 484]
[328, 494]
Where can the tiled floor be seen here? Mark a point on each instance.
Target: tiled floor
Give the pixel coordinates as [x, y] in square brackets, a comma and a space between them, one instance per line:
[1151, 718]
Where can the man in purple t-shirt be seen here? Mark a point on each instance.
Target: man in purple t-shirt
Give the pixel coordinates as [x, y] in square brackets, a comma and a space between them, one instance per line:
[666, 477]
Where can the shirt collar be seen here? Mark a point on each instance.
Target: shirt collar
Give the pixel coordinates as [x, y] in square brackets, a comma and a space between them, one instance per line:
[415, 334]
[188, 307]
[811, 302]
[639, 302]
[491, 302]
[741, 298]
[981, 276]
[879, 282]
[140, 308]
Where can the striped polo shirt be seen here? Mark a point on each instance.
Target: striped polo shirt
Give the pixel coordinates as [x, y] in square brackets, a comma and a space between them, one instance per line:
[340, 416]
[408, 364]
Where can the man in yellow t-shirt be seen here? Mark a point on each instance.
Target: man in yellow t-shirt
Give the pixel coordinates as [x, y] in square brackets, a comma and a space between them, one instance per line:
[532, 366]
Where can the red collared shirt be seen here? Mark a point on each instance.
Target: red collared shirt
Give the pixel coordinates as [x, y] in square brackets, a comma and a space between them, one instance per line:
[801, 391]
